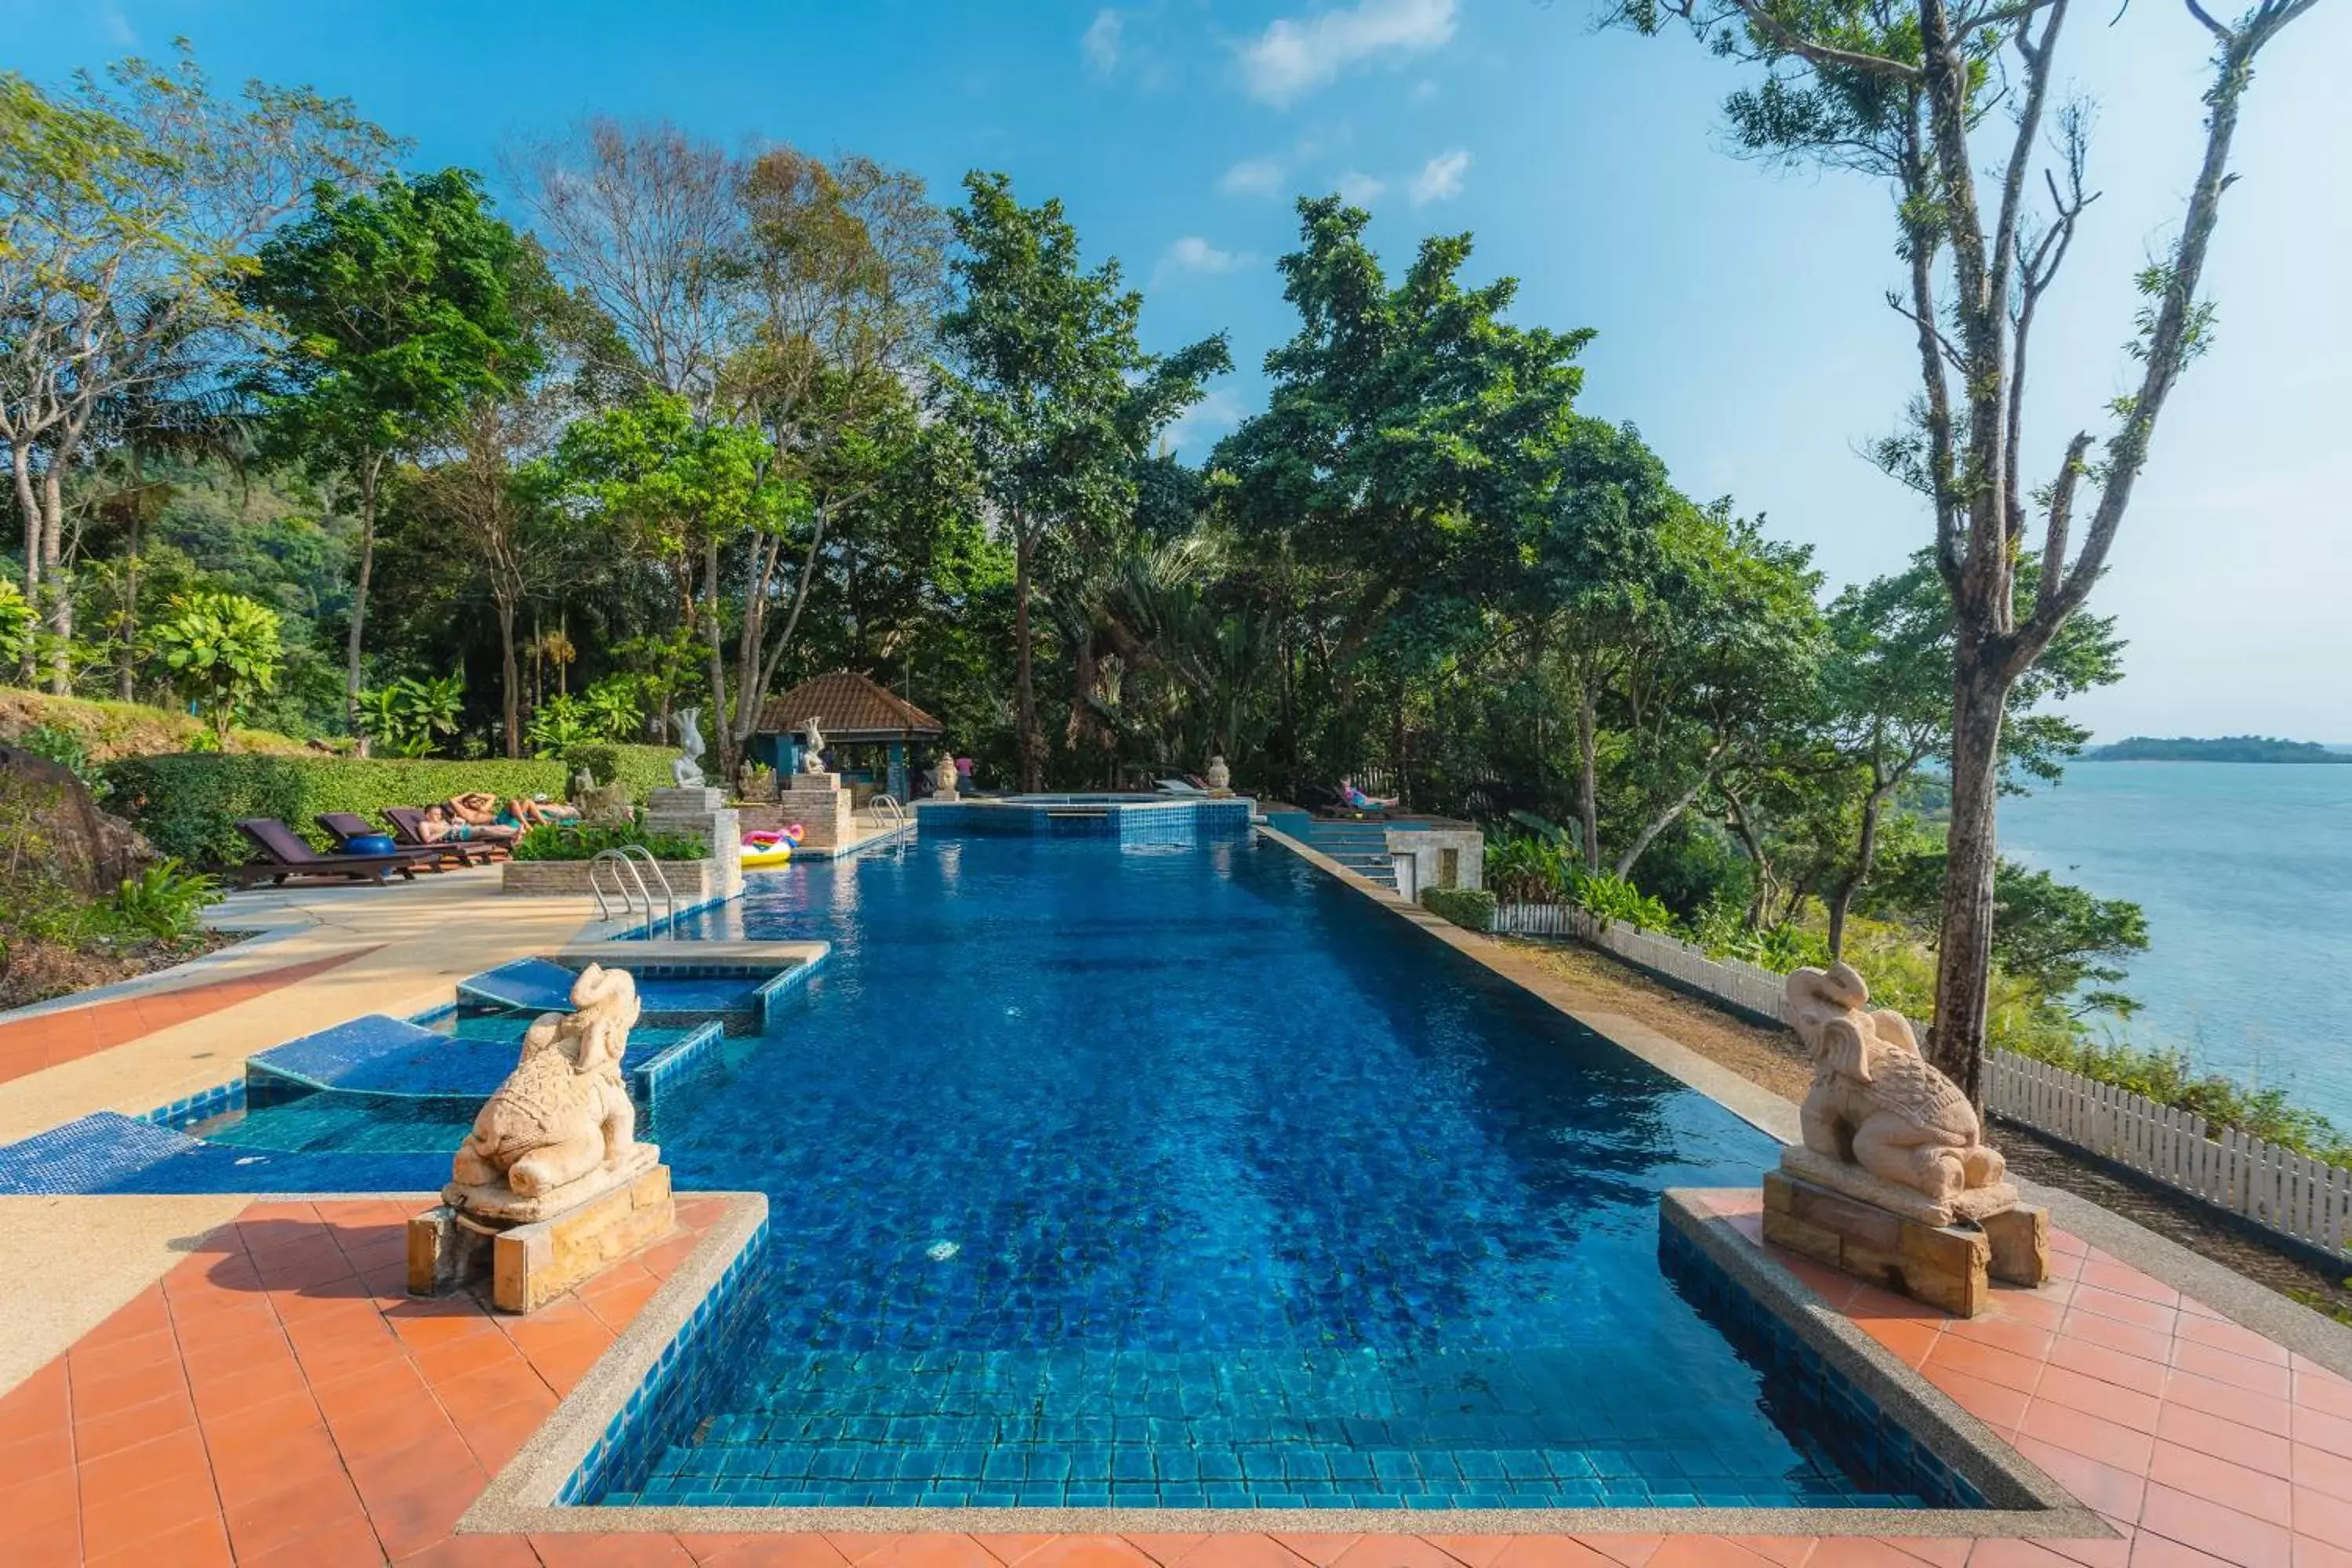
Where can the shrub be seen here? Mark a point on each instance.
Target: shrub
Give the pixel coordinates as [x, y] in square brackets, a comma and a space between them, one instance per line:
[563, 842]
[602, 763]
[166, 901]
[1473, 908]
[222, 652]
[62, 744]
[188, 804]
[1608, 896]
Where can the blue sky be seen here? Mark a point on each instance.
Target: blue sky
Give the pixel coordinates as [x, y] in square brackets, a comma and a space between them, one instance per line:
[1739, 309]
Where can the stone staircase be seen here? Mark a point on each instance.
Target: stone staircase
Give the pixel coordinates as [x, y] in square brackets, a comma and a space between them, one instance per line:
[1362, 846]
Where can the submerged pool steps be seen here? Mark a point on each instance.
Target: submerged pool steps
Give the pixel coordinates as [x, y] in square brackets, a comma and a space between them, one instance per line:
[377, 1103]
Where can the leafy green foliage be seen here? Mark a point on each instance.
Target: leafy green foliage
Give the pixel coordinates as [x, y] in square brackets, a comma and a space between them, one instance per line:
[1055, 395]
[600, 763]
[222, 652]
[556, 726]
[565, 841]
[2056, 937]
[1473, 908]
[166, 900]
[62, 744]
[17, 621]
[188, 804]
[409, 718]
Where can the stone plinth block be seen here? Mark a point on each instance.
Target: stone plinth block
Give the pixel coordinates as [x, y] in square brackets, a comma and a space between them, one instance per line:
[697, 800]
[1975, 1202]
[531, 1262]
[1943, 1266]
[822, 807]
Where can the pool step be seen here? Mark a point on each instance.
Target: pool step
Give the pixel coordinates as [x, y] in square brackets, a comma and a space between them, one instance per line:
[1362, 846]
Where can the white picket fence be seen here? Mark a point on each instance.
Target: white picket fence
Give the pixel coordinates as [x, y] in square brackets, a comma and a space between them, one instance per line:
[1746, 986]
[2276, 1188]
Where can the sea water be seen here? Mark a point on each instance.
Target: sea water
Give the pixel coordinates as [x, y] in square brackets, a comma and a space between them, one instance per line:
[2245, 871]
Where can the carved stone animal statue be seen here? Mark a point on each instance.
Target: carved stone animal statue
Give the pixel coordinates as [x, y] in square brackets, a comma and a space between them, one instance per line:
[686, 769]
[563, 1112]
[1875, 1101]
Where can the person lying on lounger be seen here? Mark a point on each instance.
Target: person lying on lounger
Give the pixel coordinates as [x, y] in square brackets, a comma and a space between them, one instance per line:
[1362, 802]
[442, 824]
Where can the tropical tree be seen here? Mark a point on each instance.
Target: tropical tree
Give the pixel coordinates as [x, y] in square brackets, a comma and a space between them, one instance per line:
[1055, 395]
[840, 268]
[395, 311]
[130, 209]
[1904, 92]
[1887, 707]
[222, 651]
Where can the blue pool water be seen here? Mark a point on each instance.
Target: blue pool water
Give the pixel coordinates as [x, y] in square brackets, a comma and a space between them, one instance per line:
[1145, 1175]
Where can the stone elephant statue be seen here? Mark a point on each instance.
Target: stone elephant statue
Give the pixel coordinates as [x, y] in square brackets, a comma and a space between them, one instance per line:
[1875, 1101]
[564, 1113]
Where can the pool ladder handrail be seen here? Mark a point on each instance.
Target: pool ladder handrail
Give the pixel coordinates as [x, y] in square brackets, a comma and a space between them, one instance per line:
[625, 857]
[887, 807]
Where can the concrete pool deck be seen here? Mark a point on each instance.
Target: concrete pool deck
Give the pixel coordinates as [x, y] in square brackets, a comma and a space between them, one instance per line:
[215, 1379]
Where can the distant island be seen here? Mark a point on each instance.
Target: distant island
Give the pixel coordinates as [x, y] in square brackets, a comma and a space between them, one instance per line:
[2227, 749]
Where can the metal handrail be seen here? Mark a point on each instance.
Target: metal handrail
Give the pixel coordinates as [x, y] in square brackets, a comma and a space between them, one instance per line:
[888, 808]
[620, 862]
[636, 852]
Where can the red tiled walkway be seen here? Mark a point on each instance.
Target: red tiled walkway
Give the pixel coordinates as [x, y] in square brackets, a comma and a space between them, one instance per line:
[276, 1400]
[29, 1045]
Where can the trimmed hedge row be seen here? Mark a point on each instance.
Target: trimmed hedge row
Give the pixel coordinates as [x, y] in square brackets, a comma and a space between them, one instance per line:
[188, 804]
[1473, 908]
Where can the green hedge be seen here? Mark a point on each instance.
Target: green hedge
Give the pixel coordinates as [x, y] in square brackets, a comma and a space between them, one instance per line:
[562, 841]
[1473, 908]
[188, 804]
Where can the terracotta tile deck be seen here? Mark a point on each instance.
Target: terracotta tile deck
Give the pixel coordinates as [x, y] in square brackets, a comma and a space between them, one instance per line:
[276, 1400]
[29, 1045]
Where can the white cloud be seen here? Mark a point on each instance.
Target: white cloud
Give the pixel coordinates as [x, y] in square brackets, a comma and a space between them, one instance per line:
[1360, 189]
[1251, 177]
[1101, 41]
[1194, 254]
[1217, 411]
[1424, 91]
[1440, 178]
[1297, 55]
[119, 27]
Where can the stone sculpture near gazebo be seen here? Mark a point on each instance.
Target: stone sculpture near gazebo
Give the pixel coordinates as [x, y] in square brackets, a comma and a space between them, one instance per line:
[552, 1183]
[1893, 1181]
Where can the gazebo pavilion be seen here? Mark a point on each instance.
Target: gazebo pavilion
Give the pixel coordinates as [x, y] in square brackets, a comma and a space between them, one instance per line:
[873, 732]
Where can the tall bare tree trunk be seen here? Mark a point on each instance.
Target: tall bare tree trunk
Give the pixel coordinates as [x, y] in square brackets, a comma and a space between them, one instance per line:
[509, 677]
[53, 578]
[1033, 776]
[126, 668]
[21, 473]
[1588, 774]
[721, 723]
[370, 472]
[1964, 954]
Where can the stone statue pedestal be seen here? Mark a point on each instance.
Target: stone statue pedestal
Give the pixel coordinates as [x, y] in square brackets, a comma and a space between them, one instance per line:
[1900, 1245]
[534, 1249]
[704, 813]
[822, 807]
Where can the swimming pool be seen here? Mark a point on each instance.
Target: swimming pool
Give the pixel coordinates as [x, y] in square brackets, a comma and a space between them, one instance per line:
[1106, 1173]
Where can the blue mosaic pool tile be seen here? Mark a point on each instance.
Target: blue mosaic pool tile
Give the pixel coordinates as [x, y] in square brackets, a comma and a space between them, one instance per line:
[92, 1154]
[369, 1053]
[110, 1153]
[1812, 1396]
[187, 1112]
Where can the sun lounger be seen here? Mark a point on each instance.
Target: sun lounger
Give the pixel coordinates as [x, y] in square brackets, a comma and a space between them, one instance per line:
[344, 826]
[408, 831]
[1179, 786]
[285, 855]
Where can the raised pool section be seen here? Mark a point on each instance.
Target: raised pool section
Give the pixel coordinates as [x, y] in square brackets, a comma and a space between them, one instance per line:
[1140, 818]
